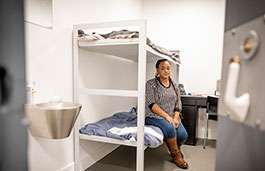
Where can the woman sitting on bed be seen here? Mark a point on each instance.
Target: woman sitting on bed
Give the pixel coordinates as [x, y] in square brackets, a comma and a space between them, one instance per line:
[162, 109]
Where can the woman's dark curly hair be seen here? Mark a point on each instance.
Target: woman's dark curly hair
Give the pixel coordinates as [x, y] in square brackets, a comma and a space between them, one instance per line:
[158, 62]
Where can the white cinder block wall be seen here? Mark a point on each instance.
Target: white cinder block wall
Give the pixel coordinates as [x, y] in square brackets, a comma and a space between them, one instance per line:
[49, 64]
[195, 27]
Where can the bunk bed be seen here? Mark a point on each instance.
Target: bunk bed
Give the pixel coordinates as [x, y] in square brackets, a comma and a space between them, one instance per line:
[134, 49]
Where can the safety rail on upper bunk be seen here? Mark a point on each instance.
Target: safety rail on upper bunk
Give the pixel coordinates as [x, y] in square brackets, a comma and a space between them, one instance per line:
[124, 48]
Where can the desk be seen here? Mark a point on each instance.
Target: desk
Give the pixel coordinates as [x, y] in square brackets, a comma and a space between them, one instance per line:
[190, 105]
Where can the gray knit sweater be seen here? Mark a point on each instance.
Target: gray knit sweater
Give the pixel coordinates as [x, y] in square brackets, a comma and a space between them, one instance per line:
[168, 99]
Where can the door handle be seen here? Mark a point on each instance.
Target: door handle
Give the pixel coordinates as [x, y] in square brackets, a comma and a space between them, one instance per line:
[239, 105]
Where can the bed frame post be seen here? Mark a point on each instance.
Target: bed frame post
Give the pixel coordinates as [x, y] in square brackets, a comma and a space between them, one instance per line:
[141, 95]
[75, 98]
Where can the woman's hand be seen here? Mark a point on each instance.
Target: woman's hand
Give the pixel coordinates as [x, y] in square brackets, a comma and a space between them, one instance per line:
[170, 120]
[176, 119]
[163, 114]
[176, 122]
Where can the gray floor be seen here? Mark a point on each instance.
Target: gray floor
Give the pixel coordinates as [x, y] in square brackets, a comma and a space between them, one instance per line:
[157, 159]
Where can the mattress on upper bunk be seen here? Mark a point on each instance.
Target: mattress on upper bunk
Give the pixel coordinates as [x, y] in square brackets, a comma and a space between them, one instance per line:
[123, 125]
[126, 34]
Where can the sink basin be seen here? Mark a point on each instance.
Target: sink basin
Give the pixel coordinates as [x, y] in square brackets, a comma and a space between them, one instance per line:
[53, 120]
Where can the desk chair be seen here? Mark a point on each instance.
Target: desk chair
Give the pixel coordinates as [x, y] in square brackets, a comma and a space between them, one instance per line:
[211, 113]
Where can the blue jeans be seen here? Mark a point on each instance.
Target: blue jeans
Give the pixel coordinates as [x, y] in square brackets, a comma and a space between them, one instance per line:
[168, 129]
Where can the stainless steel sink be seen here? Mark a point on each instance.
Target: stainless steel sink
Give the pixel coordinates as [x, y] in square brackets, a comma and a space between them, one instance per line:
[53, 119]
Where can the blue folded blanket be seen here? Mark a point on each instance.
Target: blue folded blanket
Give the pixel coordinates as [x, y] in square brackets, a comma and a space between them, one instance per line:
[123, 125]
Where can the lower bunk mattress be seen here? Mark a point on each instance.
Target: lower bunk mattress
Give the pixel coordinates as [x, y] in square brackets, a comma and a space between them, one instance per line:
[123, 125]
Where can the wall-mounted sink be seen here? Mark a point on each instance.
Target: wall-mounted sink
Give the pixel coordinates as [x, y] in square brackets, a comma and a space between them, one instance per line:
[53, 119]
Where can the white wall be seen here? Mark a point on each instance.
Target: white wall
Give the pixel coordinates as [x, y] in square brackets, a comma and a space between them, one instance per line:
[195, 27]
[49, 64]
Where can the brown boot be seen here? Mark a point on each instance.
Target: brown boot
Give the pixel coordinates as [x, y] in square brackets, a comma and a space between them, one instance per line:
[175, 153]
[179, 145]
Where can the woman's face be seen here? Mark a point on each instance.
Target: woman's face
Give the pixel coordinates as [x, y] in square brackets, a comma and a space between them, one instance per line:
[164, 70]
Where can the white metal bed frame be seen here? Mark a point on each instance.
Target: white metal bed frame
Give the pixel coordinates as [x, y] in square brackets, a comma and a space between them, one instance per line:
[143, 52]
